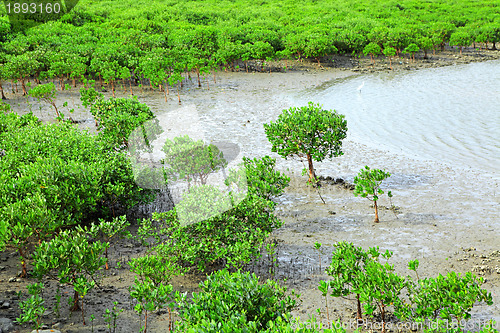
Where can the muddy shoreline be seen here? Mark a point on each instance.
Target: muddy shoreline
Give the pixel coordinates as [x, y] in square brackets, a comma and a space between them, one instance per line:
[447, 218]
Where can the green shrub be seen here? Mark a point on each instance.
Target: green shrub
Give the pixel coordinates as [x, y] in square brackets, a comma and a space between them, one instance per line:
[259, 177]
[202, 203]
[355, 271]
[346, 270]
[55, 175]
[231, 238]
[110, 231]
[64, 153]
[47, 93]
[449, 297]
[33, 308]
[372, 49]
[70, 258]
[381, 288]
[188, 159]
[439, 300]
[117, 118]
[235, 302]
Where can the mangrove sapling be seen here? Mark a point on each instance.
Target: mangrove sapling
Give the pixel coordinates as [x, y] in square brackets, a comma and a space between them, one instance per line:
[111, 316]
[389, 52]
[47, 93]
[412, 49]
[272, 257]
[234, 237]
[307, 132]
[461, 38]
[372, 49]
[368, 183]
[318, 248]
[117, 118]
[154, 273]
[188, 159]
[261, 177]
[448, 298]
[150, 297]
[152, 231]
[88, 94]
[110, 231]
[347, 270]
[33, 308]
[159, 267]
[238, 302]
[380, 287]
[323, 287]
[202, 203]
[29, 221]
[174, 78]
[70, 259]
[79, 179]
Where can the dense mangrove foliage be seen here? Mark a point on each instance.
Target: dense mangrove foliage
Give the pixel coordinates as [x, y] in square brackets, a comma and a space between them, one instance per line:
[66, 195]
[135, 40]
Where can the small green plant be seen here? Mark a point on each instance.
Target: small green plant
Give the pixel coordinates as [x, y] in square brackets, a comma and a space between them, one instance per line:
[412, 49]
[347, 270]
[272, 257]
[111, 316]
[150, 297]
[390, 52]
[355, 271]
[33, 308]
[317, 247]
[372, 49]
[368, 183]
[202, 203]
[92, 318]
[236, 301]
[29, 220]
[88, 94]
[448, 298]
[159, 265]
[110, 231]
[231, 238]
[154, 272]
[189, 160]
[47, 93]
[259, 177]
[323, 287]
[309, 132]
[380, 286]
[71, 259]
[117, 118]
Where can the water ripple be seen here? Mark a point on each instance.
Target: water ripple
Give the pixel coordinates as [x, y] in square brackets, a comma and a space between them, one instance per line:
[449, 114]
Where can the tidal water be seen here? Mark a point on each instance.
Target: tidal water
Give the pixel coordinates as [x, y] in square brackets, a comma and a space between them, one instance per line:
[448, 114]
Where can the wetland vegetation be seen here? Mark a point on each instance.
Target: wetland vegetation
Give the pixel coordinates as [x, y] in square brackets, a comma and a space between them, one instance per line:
[65, 192]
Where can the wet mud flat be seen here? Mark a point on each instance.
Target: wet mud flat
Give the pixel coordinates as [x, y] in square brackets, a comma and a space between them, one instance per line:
[428, 237]
[447, 218]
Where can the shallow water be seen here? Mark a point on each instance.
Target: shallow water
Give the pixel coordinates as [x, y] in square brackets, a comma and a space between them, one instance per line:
[448, 114]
